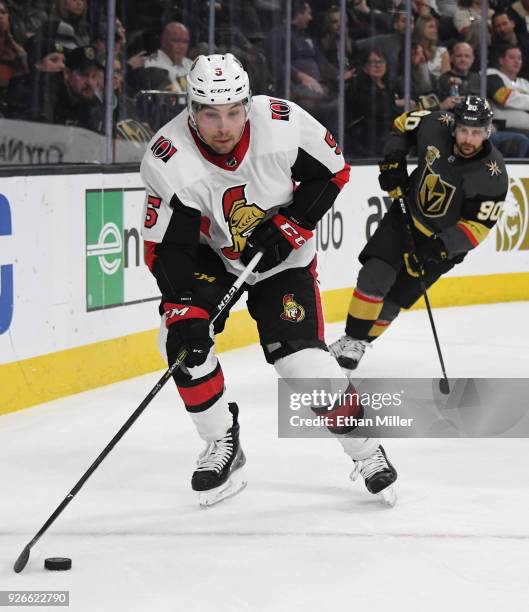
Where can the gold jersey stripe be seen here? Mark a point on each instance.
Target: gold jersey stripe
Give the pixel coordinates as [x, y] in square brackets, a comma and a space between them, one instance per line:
[400, 122]
[422, 228]
[500, 95]
[476, 232]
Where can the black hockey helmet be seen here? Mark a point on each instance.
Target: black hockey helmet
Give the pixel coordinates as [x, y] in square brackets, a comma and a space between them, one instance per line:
[474, 111]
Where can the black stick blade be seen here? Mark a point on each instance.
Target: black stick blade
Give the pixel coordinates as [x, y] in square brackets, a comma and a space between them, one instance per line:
[22, 560]
[444, 387]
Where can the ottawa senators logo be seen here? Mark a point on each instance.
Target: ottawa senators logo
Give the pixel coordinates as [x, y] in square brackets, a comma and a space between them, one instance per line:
[163, 149]
[242, 218]
[292, 311]
[434, 193]
[280, 109]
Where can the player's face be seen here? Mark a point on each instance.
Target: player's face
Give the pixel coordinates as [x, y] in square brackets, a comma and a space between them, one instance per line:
[469, 140]
[221, 126]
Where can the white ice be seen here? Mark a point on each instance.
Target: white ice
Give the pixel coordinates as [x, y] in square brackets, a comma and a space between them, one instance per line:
[301, 536]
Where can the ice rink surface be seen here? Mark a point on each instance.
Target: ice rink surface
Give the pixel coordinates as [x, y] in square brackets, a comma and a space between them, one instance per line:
[301, 536]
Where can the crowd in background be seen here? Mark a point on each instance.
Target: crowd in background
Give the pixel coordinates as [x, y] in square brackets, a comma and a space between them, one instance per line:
[53, 57]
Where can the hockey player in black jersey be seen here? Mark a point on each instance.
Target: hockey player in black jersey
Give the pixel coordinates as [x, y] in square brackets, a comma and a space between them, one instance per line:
[454, 196]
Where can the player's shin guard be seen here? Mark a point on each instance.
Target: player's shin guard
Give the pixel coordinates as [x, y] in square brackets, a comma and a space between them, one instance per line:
[364, 310]
[325, 370]
[219, 471]
[314, 369]
[387, 315]
[203, 396]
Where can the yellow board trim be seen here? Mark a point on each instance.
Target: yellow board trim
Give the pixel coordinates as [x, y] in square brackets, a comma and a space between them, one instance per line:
[47, 377]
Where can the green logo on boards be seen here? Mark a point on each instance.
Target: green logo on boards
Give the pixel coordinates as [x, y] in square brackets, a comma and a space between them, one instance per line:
[105, 261]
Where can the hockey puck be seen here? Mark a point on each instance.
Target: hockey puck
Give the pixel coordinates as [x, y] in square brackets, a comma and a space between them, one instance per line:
[58, 563]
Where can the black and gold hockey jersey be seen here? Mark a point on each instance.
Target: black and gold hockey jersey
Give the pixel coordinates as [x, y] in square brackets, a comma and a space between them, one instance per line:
[459, 199]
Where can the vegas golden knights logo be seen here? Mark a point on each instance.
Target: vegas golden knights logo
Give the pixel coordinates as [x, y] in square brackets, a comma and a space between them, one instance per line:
[434, 194]
[242, 218]
[292, 311]
[512, 228]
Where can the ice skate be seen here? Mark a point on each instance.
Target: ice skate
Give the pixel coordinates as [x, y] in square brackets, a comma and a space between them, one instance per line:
[379, 476]
[219, 472]
[348, 351]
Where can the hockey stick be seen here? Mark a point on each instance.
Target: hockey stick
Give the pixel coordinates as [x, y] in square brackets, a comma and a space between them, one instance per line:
[23, 558]
[444, 386]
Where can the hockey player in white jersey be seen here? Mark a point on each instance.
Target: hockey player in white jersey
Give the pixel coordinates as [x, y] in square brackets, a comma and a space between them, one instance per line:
[220, 184]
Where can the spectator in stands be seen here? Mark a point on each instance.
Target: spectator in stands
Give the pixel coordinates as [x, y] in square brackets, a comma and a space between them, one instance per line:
[391, 45]
[425, 8]
[67, 97]
[519, 11]
[330, 41]
[371, 107]
[422, 82]
[67, 24]
[426, 34]
[125, 118]
[313, 77]
[238, 31]
[13, 59]
[467, 21]
[28, 93]
[134, 65]
[172, 55]
[366, 20]
[459, 80]
[508, 92]
[26, 16]
[504, 33]
[447, 8]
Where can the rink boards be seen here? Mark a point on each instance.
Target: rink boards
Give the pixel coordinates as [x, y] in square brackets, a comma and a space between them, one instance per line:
[78, 307]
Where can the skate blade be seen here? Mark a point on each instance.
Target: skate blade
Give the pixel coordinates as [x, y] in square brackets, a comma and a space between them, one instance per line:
[235, 484]
[388, 496]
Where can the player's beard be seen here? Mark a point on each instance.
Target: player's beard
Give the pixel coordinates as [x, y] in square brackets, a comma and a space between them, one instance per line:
[467, 150]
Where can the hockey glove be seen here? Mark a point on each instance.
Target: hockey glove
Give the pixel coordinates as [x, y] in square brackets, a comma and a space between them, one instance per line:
[393, 176]
[277, 237]
[188, 328]
[432, 250]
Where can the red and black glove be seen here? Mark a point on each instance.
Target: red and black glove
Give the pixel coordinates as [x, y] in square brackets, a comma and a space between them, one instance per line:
[431, 250]
[277, 237]
[393, 176]
[188, 328]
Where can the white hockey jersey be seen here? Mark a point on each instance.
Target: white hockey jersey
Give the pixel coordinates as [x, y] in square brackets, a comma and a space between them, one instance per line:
[235, 192]
[510, 99]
